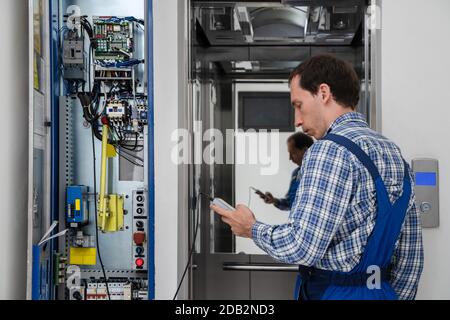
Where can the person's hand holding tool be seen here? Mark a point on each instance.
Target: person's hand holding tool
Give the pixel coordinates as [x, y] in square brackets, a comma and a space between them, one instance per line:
[269, 198]
[241, 220]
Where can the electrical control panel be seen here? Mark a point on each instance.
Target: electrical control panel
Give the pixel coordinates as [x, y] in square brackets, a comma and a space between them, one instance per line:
[115, 38]
[102, 250]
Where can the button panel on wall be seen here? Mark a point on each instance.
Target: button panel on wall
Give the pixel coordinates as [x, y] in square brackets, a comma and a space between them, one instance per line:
[426, 176]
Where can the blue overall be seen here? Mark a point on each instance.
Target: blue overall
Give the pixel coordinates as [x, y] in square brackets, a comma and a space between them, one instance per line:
[316, 284]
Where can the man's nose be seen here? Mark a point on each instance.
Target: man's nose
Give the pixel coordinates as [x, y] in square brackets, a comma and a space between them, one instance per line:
[298, 119]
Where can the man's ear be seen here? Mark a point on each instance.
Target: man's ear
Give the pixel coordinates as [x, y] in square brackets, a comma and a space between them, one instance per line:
[324, 93]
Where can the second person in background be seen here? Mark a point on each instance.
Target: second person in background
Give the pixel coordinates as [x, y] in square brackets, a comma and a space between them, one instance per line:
[297, 144]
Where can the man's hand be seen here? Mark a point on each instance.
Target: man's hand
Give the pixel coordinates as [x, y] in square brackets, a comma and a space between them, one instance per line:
[269, 198]
[241, 220]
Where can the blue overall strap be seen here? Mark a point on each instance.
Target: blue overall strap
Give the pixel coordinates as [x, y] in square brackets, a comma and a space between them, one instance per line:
[381, 245]
[389, 218]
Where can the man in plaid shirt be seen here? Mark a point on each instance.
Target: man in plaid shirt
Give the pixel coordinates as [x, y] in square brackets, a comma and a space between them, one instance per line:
[333, 232]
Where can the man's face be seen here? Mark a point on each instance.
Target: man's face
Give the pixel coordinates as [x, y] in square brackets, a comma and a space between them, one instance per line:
[309, 110]
[295, 154]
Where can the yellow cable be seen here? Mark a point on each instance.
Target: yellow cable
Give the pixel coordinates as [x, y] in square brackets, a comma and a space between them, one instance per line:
[103, 196]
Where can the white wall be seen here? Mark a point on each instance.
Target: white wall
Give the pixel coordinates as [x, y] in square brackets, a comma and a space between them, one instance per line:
[166, 75]
[416, 110]
[14, 160]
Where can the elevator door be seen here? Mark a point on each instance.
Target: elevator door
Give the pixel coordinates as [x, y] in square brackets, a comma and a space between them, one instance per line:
[252, 43]
[223, 268]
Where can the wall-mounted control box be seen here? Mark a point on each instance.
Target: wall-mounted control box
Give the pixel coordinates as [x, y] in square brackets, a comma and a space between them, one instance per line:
[426, 175]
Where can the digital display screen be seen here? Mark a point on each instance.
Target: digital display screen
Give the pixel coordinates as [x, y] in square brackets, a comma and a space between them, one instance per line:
[266, 111]
[427, 179]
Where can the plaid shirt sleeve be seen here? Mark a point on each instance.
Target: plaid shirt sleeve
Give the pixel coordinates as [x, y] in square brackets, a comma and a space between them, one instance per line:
[408, 257]
[321, 203]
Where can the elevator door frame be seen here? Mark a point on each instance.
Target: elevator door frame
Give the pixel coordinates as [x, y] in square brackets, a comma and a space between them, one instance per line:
[207, 277]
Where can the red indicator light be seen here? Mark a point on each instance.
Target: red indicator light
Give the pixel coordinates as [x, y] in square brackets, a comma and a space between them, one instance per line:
[139, 262]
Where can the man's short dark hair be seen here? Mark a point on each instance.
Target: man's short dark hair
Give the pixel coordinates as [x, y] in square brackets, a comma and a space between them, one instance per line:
[301, 140]
[338, 74]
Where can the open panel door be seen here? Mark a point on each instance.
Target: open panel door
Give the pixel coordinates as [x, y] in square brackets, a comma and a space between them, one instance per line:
[39, 262]
[63, 152]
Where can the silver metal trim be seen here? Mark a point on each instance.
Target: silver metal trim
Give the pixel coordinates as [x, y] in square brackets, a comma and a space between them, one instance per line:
[376, 69]
[98, 274]
[367, 60]
[30, 145]
[184, 170]
[260, 267]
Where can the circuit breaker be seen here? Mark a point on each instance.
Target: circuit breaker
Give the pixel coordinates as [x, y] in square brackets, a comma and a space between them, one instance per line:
[74, 59]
